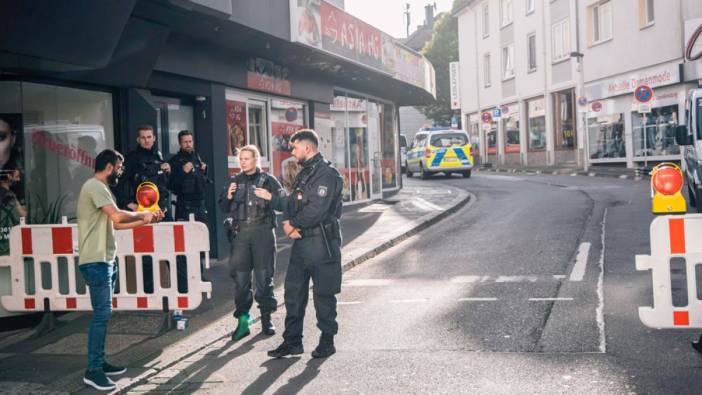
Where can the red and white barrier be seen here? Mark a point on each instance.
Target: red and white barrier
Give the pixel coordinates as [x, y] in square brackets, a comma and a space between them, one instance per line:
[673, 238]
[44, 269]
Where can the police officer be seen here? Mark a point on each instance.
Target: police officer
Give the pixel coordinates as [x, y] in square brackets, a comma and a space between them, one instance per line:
[252, 222]
[311, 218]
[146, 163]
[188, 180]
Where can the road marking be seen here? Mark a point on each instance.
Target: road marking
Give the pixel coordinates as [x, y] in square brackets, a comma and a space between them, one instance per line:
[477, 299]
[347, 303]
[367, 282]
[559, 276]
[599, 311]
[408, 300]
[469, 279]
[580, 262]
[516, 279]
[550, 299]
[423, 204]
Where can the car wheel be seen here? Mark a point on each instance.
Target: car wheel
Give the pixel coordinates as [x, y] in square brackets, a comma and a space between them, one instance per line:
[466, 174]
[423, 173]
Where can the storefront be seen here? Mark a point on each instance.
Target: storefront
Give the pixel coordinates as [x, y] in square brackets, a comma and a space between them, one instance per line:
[564, 126]
[511, 139]
[619, 133]
[536, 131]
[228, 92]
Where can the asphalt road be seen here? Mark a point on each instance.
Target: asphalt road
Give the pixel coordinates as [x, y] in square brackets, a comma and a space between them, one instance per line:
[532, 288]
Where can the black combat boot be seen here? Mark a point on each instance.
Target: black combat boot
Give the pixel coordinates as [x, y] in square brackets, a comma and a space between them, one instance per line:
[698, 345]
[286, 349]
[267, 326]
[325, 347]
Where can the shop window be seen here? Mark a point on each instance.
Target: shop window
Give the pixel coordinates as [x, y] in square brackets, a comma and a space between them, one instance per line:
[388, 137]
[357, 117]
[536, 124]
[287, 117]
[564, 107]
[340, 155]
[510, 127]
[258, 127]
[654, 133]
[492, 139]
[64, 130]
[606, 135]
[560, 41]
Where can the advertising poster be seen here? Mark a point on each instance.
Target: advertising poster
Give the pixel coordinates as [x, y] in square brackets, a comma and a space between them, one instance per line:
[285, 166]
[11, 177]
[236, 128]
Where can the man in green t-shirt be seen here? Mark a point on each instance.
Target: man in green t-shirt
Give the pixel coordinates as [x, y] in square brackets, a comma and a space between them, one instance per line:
[98, 217]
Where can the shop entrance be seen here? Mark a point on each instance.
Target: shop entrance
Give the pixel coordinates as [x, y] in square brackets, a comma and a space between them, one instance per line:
[172, 116]
[374, 127]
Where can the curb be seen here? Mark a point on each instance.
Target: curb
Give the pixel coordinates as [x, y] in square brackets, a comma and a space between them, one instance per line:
[461, 201]
[567, 173]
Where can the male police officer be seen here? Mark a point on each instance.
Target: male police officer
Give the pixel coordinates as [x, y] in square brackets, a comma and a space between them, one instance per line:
[311, 218]
[146, 163]
[188, 180]
[252, 222]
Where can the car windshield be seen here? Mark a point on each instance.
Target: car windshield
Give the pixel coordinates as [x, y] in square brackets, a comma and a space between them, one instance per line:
[446, 140]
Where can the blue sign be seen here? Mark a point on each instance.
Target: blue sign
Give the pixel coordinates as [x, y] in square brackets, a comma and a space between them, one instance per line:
[496, 113]
[643, 93]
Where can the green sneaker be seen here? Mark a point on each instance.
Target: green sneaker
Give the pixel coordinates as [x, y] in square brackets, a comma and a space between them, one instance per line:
[242, 329]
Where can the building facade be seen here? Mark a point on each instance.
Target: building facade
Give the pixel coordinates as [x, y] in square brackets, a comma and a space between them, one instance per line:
[563, 74]
[234, 72]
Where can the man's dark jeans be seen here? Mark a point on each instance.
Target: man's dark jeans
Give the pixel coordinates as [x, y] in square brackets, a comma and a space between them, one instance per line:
[101, 278]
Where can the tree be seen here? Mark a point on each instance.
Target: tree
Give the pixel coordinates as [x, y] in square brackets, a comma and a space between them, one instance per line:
[441, 50]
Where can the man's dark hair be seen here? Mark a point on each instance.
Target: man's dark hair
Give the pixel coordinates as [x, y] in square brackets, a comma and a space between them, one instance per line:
[184, 133]
[145, 127]
[108, 156]
[305, 135]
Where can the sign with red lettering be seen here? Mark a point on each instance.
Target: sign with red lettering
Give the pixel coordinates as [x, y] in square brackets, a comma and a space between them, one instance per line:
[264, 75]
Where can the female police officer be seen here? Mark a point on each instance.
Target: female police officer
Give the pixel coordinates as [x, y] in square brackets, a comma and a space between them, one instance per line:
[252, 222]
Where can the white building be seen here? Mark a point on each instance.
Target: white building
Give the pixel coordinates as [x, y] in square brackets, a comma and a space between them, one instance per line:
[523, 56]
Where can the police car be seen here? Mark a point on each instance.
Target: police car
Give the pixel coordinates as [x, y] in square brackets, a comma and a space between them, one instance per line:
[440, 150]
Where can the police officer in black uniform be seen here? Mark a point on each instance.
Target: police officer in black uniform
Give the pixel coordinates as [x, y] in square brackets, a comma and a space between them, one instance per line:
[188, 180]
[251, 221]
[311, 218]
[146, 163]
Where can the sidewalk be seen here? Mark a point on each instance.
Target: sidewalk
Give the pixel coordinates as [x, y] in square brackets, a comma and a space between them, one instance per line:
[593, 171]
[55, 362]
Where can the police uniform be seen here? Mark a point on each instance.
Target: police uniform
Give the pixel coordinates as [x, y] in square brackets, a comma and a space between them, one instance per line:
[145, 165]
[190, 187]
[313, 207]
[253, 245]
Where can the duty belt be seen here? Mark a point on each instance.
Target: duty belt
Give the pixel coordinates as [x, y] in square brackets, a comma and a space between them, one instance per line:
[316, 231]
[252, 222]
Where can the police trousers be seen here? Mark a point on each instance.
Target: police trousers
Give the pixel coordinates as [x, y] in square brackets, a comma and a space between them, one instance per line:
[253, 249]
[310, 259]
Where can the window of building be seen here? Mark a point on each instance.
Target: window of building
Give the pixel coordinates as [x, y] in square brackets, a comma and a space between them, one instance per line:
[52, 136]
[287, 117]
[486, 70]
[607, 136]
[531, 52]
[536, 124]
[560, 41]
[505, 12]
[601, 22]
[492, 139]
[258, 127]
[508, 62]
[655, 135]
[530, 6]
[564, 109]
[510, 127]
[486, 20]
[646, 13]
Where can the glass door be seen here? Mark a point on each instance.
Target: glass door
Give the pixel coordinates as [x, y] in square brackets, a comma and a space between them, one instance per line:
[374, 128]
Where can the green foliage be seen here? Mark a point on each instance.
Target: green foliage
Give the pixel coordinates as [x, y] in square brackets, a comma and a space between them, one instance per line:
[441, 50]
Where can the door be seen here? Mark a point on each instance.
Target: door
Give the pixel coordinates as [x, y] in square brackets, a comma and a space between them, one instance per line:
[374, 130]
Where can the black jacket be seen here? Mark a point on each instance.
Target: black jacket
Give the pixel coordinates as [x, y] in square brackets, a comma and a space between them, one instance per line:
[188, 186]
[244, 205]
[144, 165]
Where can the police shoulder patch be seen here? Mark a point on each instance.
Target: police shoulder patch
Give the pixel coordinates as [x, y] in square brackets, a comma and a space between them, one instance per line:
[322, 191]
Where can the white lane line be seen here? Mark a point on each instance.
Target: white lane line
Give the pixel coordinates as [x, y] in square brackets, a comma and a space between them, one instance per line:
[347, 303]
[599, 311]
[423, 204]
[550, 299]
[516, 279]
[580, 262]
[477, 299]
[408, 300]
[559, 276]
[469, 279]
[367, 282]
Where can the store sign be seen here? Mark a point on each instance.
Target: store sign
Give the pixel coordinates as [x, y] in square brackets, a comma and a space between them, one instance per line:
[264, 75]
[454, 83]
[322, 25]
[536, 108]
[667, 74]
[342, 103]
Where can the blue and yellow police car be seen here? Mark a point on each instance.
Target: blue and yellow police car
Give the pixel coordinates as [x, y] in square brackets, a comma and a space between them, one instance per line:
[440, 150]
